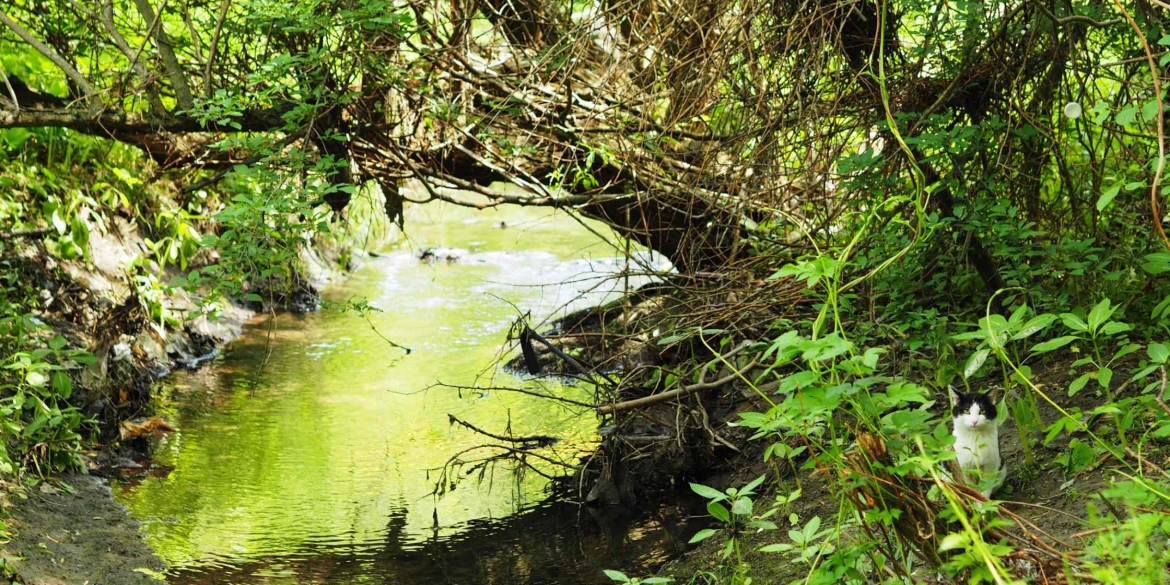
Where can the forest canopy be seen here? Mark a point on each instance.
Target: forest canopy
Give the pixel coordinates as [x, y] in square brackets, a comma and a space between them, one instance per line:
[662, 118]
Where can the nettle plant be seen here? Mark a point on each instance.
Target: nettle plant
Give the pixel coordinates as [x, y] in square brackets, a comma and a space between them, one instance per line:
[734, 508]
[1099, 332]
[37, 425]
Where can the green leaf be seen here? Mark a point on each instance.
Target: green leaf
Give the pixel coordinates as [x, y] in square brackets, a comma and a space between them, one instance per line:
[1107, 196]
[1078, 384]
[254, 298]
[718, 511]
[62, 384]
[656, 580]
[1034, 325]
[703, 534]
[755, 483]
[1104, 377]
[1150, 110]
[1115, 327]
[1126, 350]
[57, 343]
[975, 361]
[1073, 322]
[810, 529]
[1053, 344]
[84, 357]
[952, 541]
[742, 506]
[1127, 115]
[616, 576]
[35, 425]
[1100, 314]
[708, 492]
[1158, 352]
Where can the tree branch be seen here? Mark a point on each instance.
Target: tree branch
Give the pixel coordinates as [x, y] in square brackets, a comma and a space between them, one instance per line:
[70, 72]
[167, 51]
[223, 10]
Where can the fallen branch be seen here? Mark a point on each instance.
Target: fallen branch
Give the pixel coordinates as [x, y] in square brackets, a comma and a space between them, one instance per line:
[25, 233]
[528, 442]
[678, 392]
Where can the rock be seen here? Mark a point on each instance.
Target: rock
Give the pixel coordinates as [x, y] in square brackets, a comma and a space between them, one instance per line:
[120, 351]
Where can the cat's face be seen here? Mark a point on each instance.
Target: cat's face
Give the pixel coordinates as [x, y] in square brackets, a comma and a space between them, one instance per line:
[973, 410]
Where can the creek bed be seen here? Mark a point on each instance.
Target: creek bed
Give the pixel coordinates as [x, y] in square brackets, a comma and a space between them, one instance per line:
[310, 453]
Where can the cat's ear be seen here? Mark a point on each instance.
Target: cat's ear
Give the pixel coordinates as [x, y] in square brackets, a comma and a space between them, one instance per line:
[955, 396]
[994, 394]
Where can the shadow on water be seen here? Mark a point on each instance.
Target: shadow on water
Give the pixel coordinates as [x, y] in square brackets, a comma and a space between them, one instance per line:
[308, 453]
[553, 543]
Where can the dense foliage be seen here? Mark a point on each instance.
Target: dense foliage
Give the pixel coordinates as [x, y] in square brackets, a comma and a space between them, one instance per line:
[962, 188]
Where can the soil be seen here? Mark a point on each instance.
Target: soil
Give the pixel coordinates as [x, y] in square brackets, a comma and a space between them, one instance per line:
[78, 535]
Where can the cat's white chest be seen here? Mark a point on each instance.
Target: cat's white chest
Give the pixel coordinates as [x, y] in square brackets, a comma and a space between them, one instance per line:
[977, 451]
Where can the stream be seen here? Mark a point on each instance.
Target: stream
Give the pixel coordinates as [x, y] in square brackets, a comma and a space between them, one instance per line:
[311, 451]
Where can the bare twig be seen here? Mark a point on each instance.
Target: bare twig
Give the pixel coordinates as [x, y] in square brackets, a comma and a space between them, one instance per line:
[223, 10]
[676, 393]
[529, 442]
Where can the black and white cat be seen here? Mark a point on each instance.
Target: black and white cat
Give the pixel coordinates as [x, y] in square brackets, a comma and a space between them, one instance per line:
[976, 434]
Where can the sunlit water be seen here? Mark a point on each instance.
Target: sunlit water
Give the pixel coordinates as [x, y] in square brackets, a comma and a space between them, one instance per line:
[309, 454]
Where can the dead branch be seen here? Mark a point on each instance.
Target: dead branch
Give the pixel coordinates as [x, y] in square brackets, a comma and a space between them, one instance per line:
[527, 442]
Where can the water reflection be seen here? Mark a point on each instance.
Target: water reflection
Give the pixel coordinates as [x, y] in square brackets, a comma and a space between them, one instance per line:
[306, 455]
[554, 543]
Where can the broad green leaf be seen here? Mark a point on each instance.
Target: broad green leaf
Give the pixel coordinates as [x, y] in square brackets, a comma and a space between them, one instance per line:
[35, 379]
[707, 492]
[1107, 196]
[1127, 115]
[975, 362]
[755, 483]
[952, 541]
[1052, 344]
[1078, 384]
[1104, 377]
[1074, 322]
[1115, 327]
[62, 384]
[35, 425]
[1158, 352]
[616, 576]
[701, 535]
[810, 529]
[1100, 314]
[742, 506]
[718, 511]
[1034, 325]
[1126, 350]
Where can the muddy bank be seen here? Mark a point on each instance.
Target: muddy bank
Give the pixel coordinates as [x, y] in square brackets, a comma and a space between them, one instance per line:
[76, 533]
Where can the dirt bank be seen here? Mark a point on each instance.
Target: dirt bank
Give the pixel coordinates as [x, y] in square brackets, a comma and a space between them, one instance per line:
[76, 533]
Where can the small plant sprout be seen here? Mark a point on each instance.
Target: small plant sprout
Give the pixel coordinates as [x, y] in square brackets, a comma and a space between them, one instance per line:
[620, 577]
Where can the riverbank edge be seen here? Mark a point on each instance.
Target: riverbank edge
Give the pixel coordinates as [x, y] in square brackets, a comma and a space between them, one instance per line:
[69, 528]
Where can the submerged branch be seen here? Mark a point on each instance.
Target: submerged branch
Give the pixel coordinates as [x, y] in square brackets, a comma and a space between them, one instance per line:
[528, 442]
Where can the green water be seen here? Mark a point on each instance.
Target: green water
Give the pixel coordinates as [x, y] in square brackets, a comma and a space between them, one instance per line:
[312, 443]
